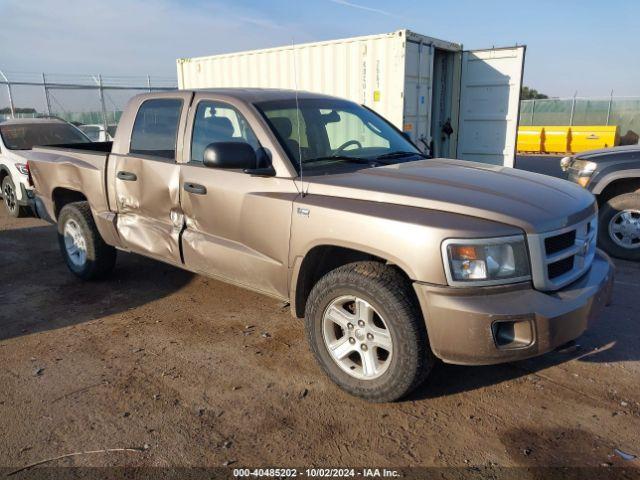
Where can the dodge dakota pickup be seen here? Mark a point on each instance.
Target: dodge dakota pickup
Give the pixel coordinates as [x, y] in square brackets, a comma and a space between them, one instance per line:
[392, 259]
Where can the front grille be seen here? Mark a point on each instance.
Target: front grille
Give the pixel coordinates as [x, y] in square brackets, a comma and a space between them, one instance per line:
[560, 267]
[562, 256]
[559, 242]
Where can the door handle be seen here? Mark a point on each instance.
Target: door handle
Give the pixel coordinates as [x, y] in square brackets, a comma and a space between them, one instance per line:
[195, 188]
[127, 176]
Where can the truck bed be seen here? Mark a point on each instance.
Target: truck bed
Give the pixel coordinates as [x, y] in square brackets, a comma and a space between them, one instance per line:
[104, 147]
[74, 169]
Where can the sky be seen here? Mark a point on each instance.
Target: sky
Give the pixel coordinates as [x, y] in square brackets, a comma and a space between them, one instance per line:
[589, 47]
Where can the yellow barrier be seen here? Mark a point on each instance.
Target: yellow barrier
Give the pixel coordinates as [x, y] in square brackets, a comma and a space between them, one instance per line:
[556, 139]
[565, 139]
[530, 139]
[593, 137]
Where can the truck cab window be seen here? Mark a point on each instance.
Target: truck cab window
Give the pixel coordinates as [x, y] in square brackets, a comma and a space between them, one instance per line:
[156, 127]
[218, 122]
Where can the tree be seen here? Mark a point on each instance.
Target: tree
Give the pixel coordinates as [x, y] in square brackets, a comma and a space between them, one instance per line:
[531, 94]
[7, 110]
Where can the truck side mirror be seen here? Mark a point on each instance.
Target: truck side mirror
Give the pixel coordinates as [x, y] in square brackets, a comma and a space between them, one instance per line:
[231, 155]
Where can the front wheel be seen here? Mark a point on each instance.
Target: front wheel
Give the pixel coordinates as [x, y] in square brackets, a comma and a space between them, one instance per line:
[619, 232]
[83, 249]
[367, 333]
[11, 200]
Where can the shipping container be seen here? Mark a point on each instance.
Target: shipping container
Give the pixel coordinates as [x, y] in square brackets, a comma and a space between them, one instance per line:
[453, 103]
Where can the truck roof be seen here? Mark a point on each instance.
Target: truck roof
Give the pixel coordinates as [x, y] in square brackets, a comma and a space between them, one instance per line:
[250, 95]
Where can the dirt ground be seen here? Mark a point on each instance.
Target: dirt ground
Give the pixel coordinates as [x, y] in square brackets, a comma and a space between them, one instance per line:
[198, 373]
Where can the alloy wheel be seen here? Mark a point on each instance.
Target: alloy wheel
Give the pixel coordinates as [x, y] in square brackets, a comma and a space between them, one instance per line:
[75, 243]
[624, 229]
[9, 197]
[357, 337]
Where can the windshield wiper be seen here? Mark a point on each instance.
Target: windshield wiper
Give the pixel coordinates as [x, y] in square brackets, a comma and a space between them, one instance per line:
[400, 154]
[338, 157]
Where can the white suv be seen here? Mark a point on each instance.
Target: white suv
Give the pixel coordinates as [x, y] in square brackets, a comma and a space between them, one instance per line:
[18, 135]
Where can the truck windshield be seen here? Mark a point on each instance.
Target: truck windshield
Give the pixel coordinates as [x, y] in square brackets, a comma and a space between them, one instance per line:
[323, 132]
[24, 136]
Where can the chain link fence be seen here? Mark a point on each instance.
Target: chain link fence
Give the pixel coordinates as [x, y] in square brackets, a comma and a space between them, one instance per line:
[82, 99]
[100, 99]
[621, 111]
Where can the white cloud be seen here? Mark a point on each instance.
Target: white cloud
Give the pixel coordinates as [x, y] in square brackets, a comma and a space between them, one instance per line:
[364, 7]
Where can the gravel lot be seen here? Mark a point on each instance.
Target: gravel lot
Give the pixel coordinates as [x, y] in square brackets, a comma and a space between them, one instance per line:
[200, 373]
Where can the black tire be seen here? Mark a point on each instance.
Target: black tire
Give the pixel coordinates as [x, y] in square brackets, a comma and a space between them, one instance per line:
[10, 201]
[390, 294]
[608, 213]
[100, 258]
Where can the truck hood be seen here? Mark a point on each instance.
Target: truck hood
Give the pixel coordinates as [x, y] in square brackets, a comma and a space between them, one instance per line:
[627, 151]
[533, 202]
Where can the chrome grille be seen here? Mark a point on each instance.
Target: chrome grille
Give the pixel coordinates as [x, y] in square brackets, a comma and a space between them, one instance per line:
[562, 256]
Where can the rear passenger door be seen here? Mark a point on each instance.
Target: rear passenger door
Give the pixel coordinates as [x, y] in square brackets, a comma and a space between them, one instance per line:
[147, 178]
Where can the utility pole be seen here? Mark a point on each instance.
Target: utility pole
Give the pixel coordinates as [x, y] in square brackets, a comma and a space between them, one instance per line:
[11, 105]
[609, 109]
[102, 103]
[46, 94]
[573, 108]
[533, 109]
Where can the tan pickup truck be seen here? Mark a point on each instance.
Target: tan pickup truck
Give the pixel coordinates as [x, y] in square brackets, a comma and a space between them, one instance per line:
[393, 259]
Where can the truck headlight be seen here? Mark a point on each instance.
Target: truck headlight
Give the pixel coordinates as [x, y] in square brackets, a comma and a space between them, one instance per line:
[584, 169]
[565, 163]
[490, 261]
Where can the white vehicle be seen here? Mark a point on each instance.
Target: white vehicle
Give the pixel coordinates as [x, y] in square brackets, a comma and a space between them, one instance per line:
[97, 133]
[17, 136]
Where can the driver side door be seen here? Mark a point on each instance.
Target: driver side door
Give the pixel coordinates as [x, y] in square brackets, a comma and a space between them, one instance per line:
[237, 225]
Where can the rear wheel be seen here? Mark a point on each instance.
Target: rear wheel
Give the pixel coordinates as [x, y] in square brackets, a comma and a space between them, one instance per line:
[367, 333]
[83, 249]
[10, 199]
[619, 232]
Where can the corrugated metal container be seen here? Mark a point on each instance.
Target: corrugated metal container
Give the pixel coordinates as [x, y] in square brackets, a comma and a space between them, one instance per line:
[416, 82]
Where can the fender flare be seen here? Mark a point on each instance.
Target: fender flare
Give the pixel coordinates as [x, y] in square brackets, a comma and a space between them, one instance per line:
[609, 178]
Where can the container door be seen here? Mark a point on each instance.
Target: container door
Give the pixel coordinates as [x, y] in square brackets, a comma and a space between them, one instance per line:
[417, 100]
[489, 105]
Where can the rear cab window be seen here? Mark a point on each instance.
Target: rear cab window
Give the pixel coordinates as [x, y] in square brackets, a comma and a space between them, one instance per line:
[155, 130]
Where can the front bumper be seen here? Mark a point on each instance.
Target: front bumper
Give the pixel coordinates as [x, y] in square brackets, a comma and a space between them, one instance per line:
[489, 326]
[28, 196]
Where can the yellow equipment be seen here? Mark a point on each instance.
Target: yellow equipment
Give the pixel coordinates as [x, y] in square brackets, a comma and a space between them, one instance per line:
[530, 139]
[564, 139]
[593, 137]
[556, 139]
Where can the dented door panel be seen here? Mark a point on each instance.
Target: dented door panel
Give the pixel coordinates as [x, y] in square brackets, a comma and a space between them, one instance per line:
[149, 217]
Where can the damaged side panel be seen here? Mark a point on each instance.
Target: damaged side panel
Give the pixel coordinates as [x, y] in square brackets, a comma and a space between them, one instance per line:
[147, 195]
[55, 173]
